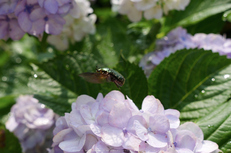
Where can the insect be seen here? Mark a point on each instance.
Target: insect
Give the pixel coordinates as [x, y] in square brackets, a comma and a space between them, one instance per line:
[104, 75]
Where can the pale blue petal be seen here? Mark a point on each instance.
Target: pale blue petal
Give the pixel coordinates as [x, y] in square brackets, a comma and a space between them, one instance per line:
[24, 22]
[37, 14]
[3, 28]
[73, 145]
[157, 140]
[119, 115]
[141, 131]
[51, 6]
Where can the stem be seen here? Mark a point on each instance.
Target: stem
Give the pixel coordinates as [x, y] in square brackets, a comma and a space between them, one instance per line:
[44, 42]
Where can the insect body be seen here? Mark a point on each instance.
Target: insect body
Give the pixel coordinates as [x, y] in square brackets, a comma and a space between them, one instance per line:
[104, 75]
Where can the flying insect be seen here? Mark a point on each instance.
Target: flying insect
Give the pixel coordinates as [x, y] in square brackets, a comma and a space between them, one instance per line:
[104, 75]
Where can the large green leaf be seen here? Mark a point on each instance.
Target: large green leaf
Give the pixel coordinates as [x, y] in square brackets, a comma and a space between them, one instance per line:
[65, 69]
[50, 92]
[205, 27]
[198, 84]
[195, 12]
[135, 87]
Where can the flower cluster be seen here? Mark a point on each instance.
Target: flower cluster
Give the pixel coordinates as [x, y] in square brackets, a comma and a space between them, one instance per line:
[35, 17]
[114, 124]
[32, 123]
[78, 24]
[178, 39]
[18, 17]
[151, 8]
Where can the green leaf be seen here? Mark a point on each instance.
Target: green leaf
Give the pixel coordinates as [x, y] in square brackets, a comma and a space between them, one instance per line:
[227, 16]
[135, 86]
[6, 104]
[198, 84]
[65, 69]
[8, 142]
[51, 93]
[216, 126]
[195, 12]
[143, 34]
[204, 27]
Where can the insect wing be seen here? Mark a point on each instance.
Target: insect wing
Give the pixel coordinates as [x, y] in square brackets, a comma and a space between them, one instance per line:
[94, 77]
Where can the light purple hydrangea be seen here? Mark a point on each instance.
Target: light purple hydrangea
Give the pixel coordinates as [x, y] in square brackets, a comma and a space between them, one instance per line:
[78, 24]
[33, 17]
[178, 39]
[9, 28]
[31, 122]
[56, 6]
[35, 20]
[7, 6]
[114, 124]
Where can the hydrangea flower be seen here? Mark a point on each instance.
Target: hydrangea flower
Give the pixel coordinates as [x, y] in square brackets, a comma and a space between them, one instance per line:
[31, 122]
[7, 7]
[178, 39]
[78, 24]
[56, 6]
[150, 8]
[114, 124]
[33, 17]
[9, 27]
[35, 20]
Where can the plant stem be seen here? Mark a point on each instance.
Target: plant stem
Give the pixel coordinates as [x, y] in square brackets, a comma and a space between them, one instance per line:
[44, 42]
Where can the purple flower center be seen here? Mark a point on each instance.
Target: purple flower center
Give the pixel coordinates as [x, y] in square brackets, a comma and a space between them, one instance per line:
[125, 131]
[28, 8]
[149, 129]
[175, 144]
[141, 111]
[46, 18]
[7, 19]
[126, 151]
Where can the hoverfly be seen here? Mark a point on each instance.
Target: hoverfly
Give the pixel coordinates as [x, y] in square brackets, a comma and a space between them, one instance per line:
[104, 75]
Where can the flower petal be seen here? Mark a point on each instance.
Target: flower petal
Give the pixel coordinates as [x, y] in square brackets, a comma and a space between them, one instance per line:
[51, 6]
[24, 21]
[157, 140]
[38, 27]
[207, 146]
[194, 128]
[3, 29]
[159, 123]
[112, 136]
[119, 115]
[81, 100]
[36, 14]
[110, 99]
[60, 136]
[73, 145]
[141, 131]
[132, 143]
[185, 139]
[152, 105]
